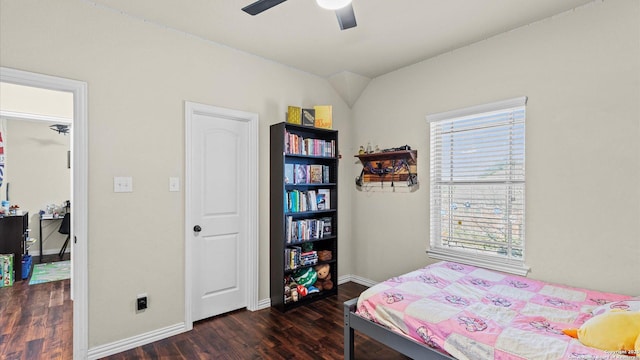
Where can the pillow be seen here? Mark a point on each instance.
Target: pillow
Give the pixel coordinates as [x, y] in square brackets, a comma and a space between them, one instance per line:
[616, 330]
[632, 304]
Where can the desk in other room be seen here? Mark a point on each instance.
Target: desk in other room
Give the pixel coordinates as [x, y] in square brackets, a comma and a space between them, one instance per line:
[46, 218]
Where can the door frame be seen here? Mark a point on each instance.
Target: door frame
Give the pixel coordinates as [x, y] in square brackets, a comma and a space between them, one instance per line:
[79, 195]
[251, 255]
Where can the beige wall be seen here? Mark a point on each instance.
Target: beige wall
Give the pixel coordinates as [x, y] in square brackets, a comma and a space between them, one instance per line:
[36, 166]
[581, 72]
[139, 76]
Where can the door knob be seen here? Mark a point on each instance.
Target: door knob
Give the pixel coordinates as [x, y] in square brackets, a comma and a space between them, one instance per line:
[197, 228]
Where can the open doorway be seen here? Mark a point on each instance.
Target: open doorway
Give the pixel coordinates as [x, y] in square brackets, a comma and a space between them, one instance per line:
[35, 126]
[77, 162]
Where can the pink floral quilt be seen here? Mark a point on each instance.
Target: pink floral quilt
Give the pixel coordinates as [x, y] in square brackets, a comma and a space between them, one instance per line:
[473, 313]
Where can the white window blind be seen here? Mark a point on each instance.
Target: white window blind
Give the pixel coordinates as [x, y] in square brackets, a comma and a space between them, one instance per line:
[477, 186]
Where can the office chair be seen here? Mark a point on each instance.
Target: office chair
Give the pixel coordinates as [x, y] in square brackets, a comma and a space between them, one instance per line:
[65, 229]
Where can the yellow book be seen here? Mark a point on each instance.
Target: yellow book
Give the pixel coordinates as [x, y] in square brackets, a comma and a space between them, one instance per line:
[294, 115]
[324, 116]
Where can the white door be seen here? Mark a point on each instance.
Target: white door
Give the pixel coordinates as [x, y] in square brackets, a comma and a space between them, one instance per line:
[218, 212]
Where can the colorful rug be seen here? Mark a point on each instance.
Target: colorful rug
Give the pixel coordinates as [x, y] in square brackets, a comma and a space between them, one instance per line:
[55, 271]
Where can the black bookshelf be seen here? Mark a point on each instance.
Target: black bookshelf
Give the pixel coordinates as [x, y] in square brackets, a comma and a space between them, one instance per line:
[281, 209]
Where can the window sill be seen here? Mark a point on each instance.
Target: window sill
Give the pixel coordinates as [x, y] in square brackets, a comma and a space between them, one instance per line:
[505, 265]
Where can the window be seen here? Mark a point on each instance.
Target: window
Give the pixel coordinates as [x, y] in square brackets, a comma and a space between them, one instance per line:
[477, 185]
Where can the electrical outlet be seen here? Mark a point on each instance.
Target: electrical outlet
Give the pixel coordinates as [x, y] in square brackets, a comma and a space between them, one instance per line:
[141, 302]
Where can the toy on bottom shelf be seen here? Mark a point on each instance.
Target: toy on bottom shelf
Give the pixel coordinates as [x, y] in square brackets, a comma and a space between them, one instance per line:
[323, 281]
[305, 277]
[616, 330]
[303, 284]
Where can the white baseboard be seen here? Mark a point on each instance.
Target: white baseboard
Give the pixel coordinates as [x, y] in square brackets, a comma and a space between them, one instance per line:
[135, 341]
[159, 334]
[264, 304]
[356, 279]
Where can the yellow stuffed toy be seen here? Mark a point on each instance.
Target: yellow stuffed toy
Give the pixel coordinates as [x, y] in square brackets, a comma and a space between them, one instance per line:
[616, 331]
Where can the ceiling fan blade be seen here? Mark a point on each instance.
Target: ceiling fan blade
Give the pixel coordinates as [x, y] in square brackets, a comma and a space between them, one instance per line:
[346, 17]
[260, 6]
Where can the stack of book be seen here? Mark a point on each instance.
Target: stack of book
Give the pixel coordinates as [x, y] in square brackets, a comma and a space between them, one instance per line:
[321, 116]
[311, 200]
[308, 258]
[292, 257]
[295, 258]
[298, 145]
[307, 229]
[306, 174]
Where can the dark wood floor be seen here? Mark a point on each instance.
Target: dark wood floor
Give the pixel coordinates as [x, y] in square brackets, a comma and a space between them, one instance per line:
[36, 323]
[36, 320]
[314, 331]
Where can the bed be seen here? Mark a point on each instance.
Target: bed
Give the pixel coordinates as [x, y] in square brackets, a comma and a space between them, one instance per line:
[454, 311]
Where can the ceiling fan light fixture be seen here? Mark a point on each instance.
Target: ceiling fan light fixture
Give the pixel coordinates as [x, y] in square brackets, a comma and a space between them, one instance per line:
[61, 128]
[333, 4]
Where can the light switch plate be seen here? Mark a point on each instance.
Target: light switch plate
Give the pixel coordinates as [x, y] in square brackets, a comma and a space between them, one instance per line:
[174, 184]
[123, 184]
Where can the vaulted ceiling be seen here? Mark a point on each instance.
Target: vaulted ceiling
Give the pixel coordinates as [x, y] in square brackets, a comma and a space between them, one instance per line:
[390, 34]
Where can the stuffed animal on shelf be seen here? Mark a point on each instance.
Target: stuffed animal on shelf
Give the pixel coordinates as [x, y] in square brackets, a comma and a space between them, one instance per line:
[305, 279]
[615, 331]
[324, 277]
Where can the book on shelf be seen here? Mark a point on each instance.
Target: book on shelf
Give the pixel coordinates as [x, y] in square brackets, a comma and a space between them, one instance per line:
[323, 199]
[315, 174]
[308, 117]
[311, 201]
[289, 146]
[290, 201]
[315, 229]
[287, 232]
[302, 201]
[326, 226]
[300, 174]
[297, 231]
[293, 199]
[309, 258]
[298, 145]
[292, 257]
[304, 204]
[288, 174]
[294, 115]
[325, 174]
[324, 116]
[295, 257]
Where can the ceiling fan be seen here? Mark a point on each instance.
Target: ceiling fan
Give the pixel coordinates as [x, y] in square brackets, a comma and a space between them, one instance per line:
[343, 8]
[60, 128]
